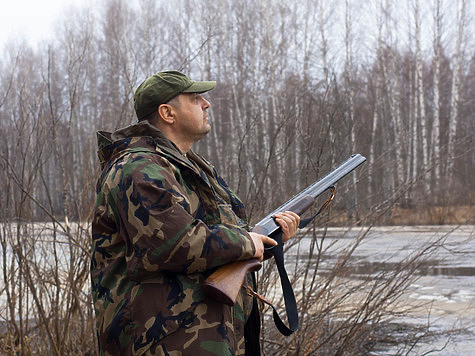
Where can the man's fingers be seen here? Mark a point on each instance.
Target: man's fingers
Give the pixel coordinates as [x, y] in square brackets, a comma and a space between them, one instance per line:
[259, 241]
[291, 216]
[289, 223]
[282, 223]
[269, 241]
[264, 239]
[288, 219]
[288, 215]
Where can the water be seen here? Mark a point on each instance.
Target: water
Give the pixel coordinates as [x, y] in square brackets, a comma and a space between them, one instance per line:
[445, 287]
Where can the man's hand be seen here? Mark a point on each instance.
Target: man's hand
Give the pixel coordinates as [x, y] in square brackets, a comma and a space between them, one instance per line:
[259, 241]
[289, 223]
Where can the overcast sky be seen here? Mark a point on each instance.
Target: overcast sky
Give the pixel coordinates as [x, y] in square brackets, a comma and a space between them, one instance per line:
[32, 19]
[36, 19]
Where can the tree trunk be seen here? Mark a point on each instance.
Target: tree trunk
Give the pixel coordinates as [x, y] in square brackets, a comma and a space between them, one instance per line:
[436, 92]
[455, 95]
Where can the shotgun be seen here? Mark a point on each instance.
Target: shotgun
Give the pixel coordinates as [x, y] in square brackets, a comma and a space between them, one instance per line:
[224, 284]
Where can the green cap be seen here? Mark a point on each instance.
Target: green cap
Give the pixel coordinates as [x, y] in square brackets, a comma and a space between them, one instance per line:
[162, 87]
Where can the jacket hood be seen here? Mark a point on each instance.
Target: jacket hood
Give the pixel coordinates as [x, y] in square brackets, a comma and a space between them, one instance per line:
[137, 137]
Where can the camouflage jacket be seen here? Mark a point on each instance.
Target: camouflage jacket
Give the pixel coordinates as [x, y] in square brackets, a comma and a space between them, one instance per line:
[162, 222]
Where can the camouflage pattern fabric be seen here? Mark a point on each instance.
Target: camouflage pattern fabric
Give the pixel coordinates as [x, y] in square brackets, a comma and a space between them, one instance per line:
[162, 223]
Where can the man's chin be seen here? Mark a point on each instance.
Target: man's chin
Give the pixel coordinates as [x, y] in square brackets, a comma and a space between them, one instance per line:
[205, 131]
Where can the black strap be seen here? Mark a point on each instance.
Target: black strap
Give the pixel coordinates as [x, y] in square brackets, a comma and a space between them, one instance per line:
[287, 290]
[252, 328]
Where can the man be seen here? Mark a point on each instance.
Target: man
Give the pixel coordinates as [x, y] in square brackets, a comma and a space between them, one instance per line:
[164, 220]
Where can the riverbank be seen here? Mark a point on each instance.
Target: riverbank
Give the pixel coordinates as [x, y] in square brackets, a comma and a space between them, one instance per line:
[399, 216]
[433, 215]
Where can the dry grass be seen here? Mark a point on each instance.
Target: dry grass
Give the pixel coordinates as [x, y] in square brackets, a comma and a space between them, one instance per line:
[431, 215]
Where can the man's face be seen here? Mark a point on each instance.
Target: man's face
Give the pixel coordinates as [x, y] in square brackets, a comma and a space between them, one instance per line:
[192, 119]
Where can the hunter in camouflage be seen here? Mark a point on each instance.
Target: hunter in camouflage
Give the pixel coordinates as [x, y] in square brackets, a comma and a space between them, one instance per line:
[163, 221]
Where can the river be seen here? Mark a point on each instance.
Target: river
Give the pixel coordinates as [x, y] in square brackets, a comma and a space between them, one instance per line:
[446, 282]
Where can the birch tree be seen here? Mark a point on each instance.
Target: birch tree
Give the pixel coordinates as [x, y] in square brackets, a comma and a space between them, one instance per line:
[413, 161]
[349, 73]
[437, 44]
[420, 115]
[455, 93]
[322, 23]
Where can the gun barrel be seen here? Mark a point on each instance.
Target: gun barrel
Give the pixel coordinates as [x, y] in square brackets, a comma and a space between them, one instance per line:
[267, 225]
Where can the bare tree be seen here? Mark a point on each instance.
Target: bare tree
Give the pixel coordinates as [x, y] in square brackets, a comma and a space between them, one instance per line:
[455, 94]
[436, 89]
[419, 95]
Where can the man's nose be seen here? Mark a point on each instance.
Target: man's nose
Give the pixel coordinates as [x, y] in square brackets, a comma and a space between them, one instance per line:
[206, 104]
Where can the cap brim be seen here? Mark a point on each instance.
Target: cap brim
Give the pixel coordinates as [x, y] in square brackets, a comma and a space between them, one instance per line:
[200, 87]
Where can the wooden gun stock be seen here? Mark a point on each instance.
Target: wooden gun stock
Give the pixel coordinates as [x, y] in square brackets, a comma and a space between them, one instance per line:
[225, 283]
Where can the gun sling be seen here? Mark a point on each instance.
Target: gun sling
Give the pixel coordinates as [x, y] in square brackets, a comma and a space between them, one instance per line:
[287, 290]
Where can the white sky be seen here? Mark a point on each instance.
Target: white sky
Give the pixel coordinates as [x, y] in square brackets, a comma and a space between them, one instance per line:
[36, 19]
[32, 19]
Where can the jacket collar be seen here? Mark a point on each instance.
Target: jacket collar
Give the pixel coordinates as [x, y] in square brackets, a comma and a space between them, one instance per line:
[110, 144]
[144, 136]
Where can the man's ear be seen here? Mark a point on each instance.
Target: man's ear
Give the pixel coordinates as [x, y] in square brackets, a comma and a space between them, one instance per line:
[166, 113]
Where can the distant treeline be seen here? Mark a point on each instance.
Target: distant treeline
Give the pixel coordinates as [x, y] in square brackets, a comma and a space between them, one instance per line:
[301, 86]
